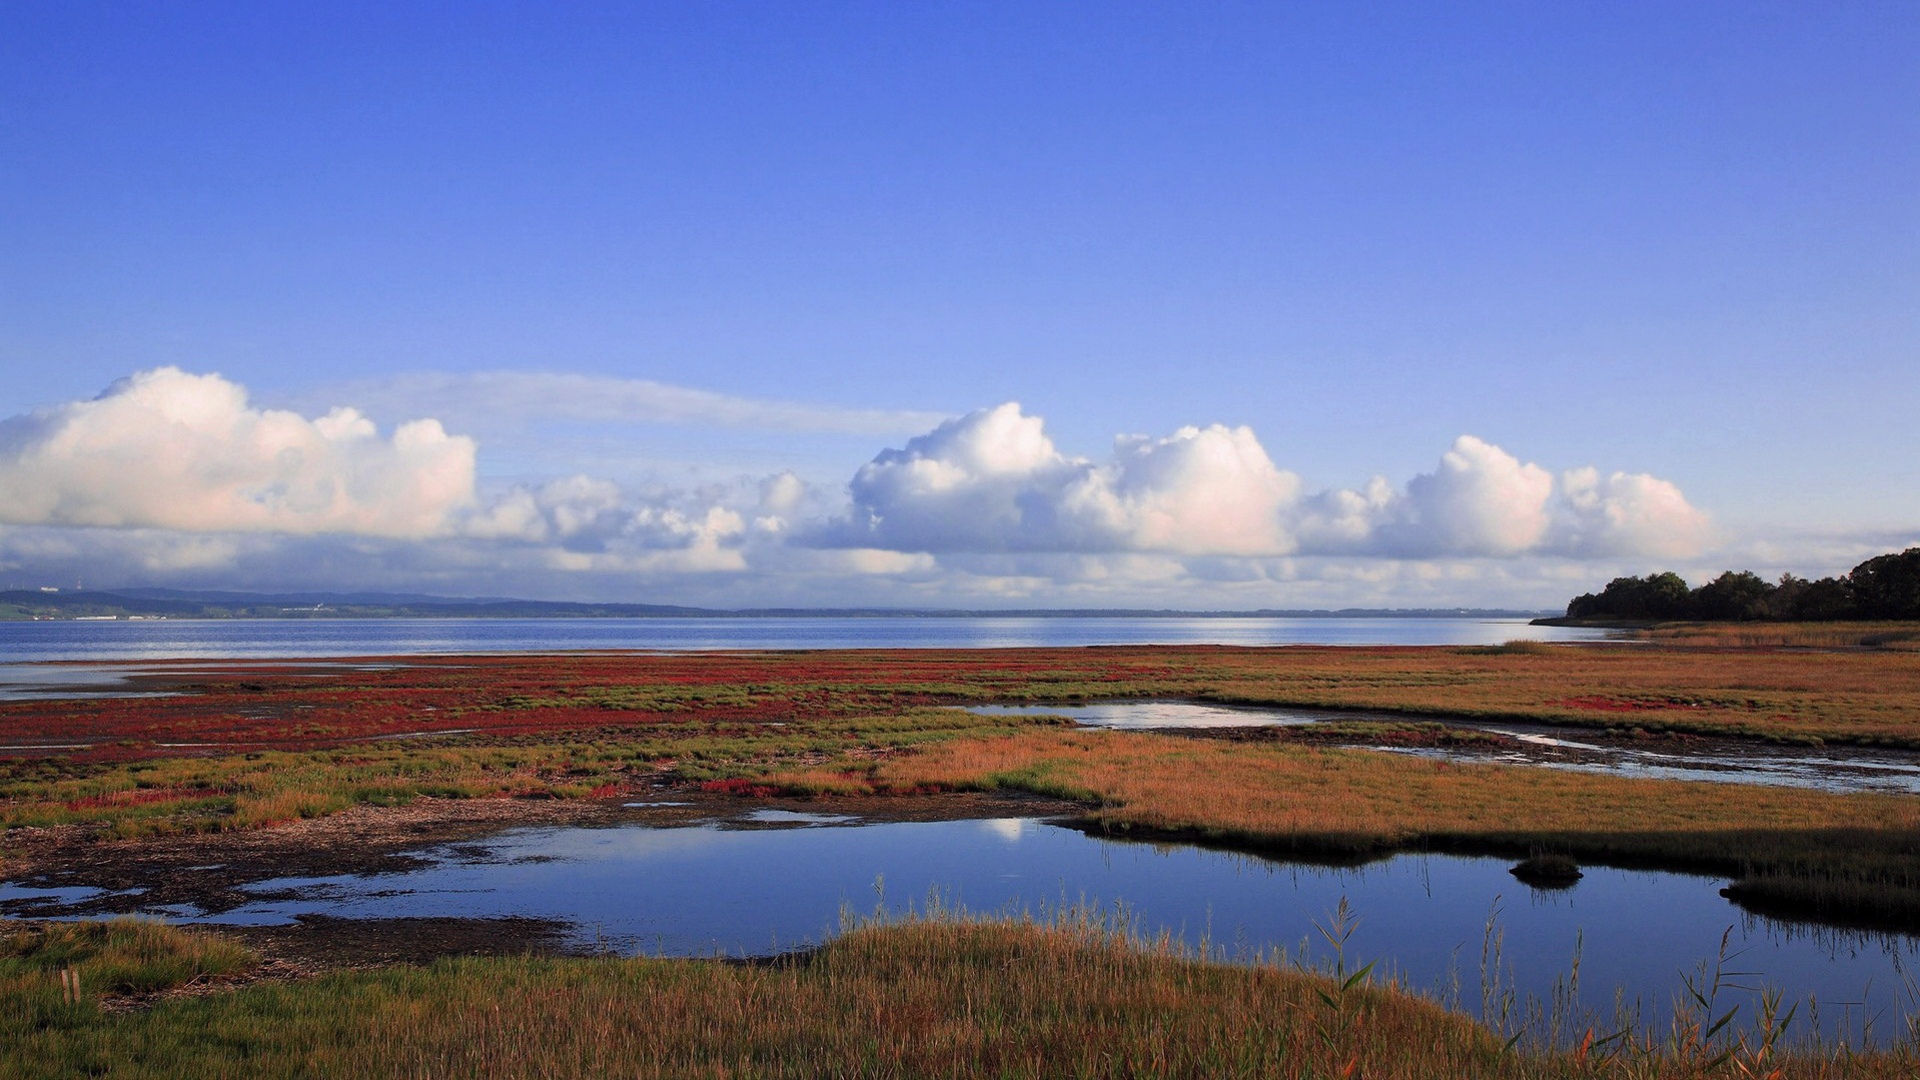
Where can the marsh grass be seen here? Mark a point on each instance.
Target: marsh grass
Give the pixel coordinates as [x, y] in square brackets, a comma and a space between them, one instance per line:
[857, 723]
[1845, 693]
[1857, 696]
[938, 994]
[242, 791]
[55, 973]
[1511, 647]
[571, 726]
[1898, 636]
[1841, 856]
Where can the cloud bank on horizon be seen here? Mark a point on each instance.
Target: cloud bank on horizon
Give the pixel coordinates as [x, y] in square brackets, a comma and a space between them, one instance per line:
[993, 481]
[170, 472]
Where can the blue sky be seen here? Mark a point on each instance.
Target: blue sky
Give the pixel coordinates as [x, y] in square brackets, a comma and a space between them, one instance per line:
[682, 250]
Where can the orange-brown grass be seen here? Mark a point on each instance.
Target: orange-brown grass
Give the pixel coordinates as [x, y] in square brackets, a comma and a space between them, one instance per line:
[925, 999]
[1857, 696]
[1828, 635]
[1859, 852]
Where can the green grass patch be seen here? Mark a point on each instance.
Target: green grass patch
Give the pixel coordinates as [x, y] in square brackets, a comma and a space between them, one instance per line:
[945, 997]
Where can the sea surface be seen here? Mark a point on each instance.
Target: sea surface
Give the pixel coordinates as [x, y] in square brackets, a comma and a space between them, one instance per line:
[161, 639]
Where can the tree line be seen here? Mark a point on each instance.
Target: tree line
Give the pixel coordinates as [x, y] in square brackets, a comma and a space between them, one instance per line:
[1883, 587]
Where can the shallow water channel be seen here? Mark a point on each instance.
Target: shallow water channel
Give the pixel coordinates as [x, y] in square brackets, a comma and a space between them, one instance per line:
[1729, 761]
[776, 880]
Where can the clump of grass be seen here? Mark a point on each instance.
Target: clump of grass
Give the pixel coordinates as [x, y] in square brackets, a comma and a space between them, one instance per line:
[1510, 647]
[49, 970]
[1547, 871]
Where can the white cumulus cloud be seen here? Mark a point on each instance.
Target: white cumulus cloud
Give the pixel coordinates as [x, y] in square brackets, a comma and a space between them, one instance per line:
[179, 477]
[992, 481]
[1481, 500]
[987, 481]
[171, 450]
[1629, 514]
[1200, 491]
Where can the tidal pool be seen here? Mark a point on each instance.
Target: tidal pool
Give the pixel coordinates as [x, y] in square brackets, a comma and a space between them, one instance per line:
[1143, 715]
[1439, 923]
[1841, 769]
[76, 681]
[42, 682]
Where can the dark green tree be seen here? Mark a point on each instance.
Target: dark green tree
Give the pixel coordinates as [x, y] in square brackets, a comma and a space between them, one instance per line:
[1584, 606]
[1733, 595]
[1795, 599]
[1883, 587]
[1667, 596]
[1657, 596]
[1888, 586]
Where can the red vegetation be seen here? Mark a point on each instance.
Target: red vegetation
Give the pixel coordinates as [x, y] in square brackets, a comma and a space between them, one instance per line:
[740, 787]
[286, 705]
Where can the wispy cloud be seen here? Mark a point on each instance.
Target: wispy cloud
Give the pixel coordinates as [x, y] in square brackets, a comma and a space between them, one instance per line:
[494, 399]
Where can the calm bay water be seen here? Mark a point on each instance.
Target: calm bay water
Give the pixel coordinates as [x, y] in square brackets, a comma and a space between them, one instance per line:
[722, 889]
[158, 639]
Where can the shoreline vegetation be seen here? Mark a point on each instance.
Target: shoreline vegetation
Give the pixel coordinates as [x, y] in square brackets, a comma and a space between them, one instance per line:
[1863, 634]
[1885, 587]
[937, 995]
[272, 745]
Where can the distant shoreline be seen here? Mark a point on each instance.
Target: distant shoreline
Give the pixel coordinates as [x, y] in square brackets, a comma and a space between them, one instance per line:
[1595, 623]
[143, 605]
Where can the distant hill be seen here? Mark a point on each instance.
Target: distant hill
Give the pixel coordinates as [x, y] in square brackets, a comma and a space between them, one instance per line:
[214, 604]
